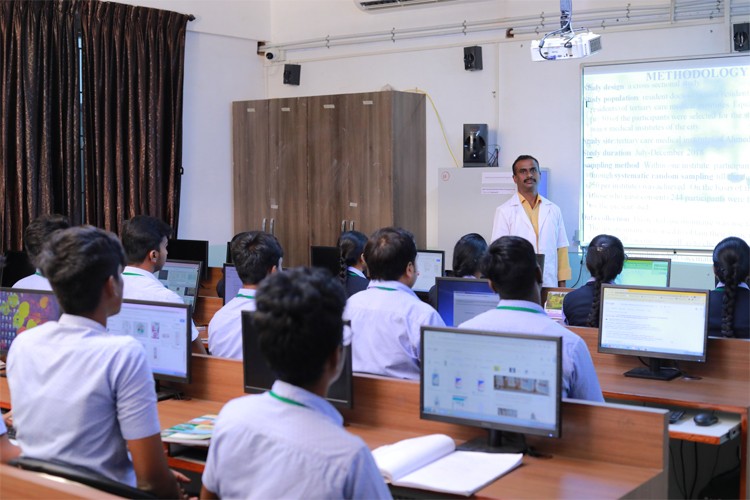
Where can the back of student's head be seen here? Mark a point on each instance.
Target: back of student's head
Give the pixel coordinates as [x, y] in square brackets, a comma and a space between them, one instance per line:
[731, 266]
[299, 322]
[38, 232]
[351, 247]
[467, 254]
[510, 263]
[77, 262]
[141, 234]
[604, 260]
[388, 253]
[254, 253]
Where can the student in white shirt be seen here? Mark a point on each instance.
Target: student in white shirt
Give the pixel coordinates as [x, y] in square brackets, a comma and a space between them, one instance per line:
[36, 234]
[80, 394]
[386, 318]
[144, 239]
[255, 255]
[290, 442]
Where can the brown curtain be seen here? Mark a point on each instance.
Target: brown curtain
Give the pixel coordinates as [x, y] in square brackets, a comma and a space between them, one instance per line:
[132, 106]
[39, 115]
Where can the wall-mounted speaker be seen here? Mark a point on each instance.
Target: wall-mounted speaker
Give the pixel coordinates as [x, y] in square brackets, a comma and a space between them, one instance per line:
[291, 74]
[473, 58]
[475, 145]
[741, 37]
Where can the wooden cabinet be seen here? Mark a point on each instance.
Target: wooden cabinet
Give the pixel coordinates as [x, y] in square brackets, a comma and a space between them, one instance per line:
[314, 166]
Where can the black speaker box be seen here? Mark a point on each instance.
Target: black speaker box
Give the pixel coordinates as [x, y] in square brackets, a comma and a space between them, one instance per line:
[473, 58]
[291, 74]
[475, 145]
[741, 37]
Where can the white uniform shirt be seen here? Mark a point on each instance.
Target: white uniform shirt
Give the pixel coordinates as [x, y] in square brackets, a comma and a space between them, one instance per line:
[139, 284]
[78, 393]
[225, 328]
[386, 320]
[34, 282]
[511, 220]
[292, 445]
[579, 377]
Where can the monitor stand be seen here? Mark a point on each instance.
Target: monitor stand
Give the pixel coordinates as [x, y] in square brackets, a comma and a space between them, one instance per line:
[654, 371]
[163, 393]
[496, 442]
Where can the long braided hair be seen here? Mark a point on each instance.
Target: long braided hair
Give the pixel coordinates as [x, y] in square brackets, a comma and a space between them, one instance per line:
[731, 266]
[604, 260]
[351, 246]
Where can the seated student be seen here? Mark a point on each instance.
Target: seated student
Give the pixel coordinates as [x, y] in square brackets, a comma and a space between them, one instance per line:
[36, 233]
[513, 271]
[79, 394]
[729, 304]
[352, 247]
[255, 255]
[467, 254]
[8, 451]
[604, 260]
[387, 316]
[289, 442]
[145, 241]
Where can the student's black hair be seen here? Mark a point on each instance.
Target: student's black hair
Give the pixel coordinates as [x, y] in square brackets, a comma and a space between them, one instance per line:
[38, 232]
[388, 253]
[254, 253]
[467, 254]
[351, 247]
[510, 263]
[141, 234]
[732, 267]
[299, 322]
[604, 260]
[77, 262]
[525, 157]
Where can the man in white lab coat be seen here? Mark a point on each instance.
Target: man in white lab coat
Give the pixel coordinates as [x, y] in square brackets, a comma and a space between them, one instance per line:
[536, 219]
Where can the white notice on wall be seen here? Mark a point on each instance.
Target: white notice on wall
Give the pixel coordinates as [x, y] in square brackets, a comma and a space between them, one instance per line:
[498, 190]
[497, 178]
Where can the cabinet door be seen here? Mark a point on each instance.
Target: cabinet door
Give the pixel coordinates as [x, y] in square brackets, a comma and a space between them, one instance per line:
[288, 178]
[250, 164]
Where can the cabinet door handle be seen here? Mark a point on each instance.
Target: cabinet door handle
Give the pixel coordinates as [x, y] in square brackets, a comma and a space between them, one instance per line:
[263, 226]
[343, 225]
[351, 225]
[273, 224]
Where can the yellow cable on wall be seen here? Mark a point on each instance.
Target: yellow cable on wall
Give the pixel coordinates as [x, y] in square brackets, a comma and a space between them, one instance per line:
[440, 121]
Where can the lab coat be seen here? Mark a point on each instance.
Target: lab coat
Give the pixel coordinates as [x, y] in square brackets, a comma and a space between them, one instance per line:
[511, 220]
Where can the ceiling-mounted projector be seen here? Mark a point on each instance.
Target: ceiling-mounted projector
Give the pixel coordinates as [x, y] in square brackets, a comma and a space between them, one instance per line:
[565, 43]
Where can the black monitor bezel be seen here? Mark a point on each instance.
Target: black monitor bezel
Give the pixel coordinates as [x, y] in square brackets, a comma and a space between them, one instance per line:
[4, 352]
[335, 270]
[465, 280]
[442, 262]
[203, 257]
[252, 357]
[652, 354]
[555, 433]
[197, 281]
[652, 259]
[188, 340]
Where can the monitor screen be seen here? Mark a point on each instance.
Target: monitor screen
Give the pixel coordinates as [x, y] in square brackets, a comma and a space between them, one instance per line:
[190, 250]
[645, 272]
[552, 301]
[183, 278]
[327, 258]
[165, 332]
[232, 282]
[259, 377]
[24, 309]
[17, 266]
[655, 323]
[430, 265]
[460, 299]
[498, 381]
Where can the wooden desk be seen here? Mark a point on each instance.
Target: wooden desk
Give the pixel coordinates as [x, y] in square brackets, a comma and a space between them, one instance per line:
[17, 483]
[607, 451]
[724, 386]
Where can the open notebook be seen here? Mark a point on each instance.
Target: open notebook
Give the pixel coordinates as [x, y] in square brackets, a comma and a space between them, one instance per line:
[432, 463]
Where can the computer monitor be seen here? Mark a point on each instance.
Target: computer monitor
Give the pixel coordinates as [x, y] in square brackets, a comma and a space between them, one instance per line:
[503, 382]
[552, 301]
[645, 272]
[182, 277]
[164, 329]
[17, 266]
[430, 265]
[229, 253]
[327, 258]
[21, 310]
[460, 299]
[232, 282]
[654, 323]
[258, 376]
[190, 250]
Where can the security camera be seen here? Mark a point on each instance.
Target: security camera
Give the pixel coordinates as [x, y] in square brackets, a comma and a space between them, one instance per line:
[275, 55]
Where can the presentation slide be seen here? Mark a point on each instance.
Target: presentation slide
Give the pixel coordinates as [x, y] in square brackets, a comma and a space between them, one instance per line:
[466, 305]
[666, 152]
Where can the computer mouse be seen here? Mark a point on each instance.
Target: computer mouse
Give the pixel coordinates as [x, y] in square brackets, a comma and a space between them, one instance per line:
[704, 419]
